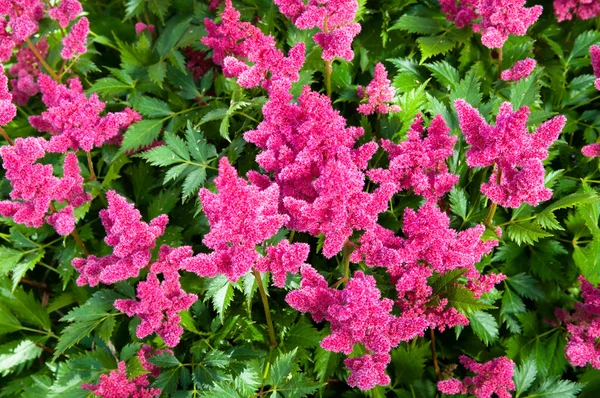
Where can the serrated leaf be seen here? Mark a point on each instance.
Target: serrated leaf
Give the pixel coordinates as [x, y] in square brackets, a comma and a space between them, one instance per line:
[160, 156]
[17, 353]
[159, 8]
[468, 89]
[26, 264]
[165, 360]
[8, 322]
[177, 145]
[484, 326]
[220, 292]
[555, 388]
[192, 182]
[458, 202]
[152, 107]
[463, 300]
[109, 86]
[9, 258]
[302, 334]
[141, 134]
[157, 73]
[414, 24]
[409, 362]
[525, 92]
[525, 375]
[527, 232]
[434, 45]
[573, 199]
[282, 367]
[24, 305]
[175, 172]
[582, 44]
[325, 363]
[445, 73]
[511, 303]
[72, 334]
[526, 285]
[214, 114]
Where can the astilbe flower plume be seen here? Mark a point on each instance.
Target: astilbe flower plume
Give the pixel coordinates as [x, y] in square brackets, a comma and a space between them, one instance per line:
[117, 385]
[131, 239]
[335, 19]
[74, 42]
[378, 94]
[581, 9]
[583, 327]
[501, 18]
[595, 56]
[35, 187]
[25, 72]
[420, 162]
[462, 13]
[492, 377]
[518, 176]
[8, 110]
[520, 70]
[592, 150]
[242, 216]
[358, 315]
[74, 120]
[23, 17]
[67, 11]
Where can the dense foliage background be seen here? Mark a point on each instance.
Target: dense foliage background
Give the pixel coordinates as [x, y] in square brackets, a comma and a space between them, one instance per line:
[56, 335]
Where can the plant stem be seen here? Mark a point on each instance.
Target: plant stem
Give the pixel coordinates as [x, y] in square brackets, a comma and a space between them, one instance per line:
[79, 242]
[328, 71]
[490, 217]
[499, 62]
[291, 238]
[435, 362]
[41, 59]
[265, 301]
[346, 276]
[6, 137]
[90, 166]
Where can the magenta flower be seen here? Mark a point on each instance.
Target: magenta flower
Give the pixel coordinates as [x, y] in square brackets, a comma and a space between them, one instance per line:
[520, 70]
[582, 9]
[592, 150]
[462, 13]
[73, 120]
[197, 63]
[8, 110]
[500, 18]
[378, 94]
[595, 56]
[493, 377]
[158, 307]
[74, 42]
[140, 27]
[23, 17]
[420, 163]
[583, 327]
[35, 187]
[25, 72]
[117, 385]
[131, 239]
[518, 175]
[67, 11]
[283, 258]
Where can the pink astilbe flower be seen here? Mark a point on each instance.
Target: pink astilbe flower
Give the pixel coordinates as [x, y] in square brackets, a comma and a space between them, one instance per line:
[378, 94]
[595, 56]
[170, 260]
[335, 19]
[74, 42]
[67, 11]
[117, 385]
[158, 307]
[520, 70]
[74, 120]
[358, 315]
[35, 187]
[420, 163]
[283, 258]
[23, 17]
[462, 13]
[8, 110]
[582, 9]
[492, 377]
[25, 72]
[140, 27]
[516, 154]
[147, 352]
[197, 63]
[131, 239]
[591, 151]
[241, 216]
[583, 327]
[500, 18]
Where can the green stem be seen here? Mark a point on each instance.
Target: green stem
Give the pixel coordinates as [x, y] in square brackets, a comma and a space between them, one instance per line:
[433, 354]
[79, 242]
[6, 137]
[265, 301]
[90, 166]
[41, 59]
[499, 62]
[344, 279]
[291, 238]
[490, 217]
[328, 71]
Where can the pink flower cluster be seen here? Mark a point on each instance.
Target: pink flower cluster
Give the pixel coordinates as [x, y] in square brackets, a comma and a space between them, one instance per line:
[462, 13]
[74, 42]
[197, 63]
[583, 326]
[74, 120]
[335, 19]
[117, 385]
[378, 94]
[8, 110]
[358, 315]
[23, 17]
[420, 163]
[35, 187]
[592, 150]
[242, 216]
[141, 27]
[25, 72]
[595, 56]
[492, 377]
[520, 70]
[161, 301]
[516, 155]
[131, 239]
[67, 11]
[582, 9]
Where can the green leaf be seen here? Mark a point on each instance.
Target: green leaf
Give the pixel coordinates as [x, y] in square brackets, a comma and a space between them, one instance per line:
[580, 198]
[325, 363]
[17, 353]
[445, 73]
[165, 360]
[511, 303]
[282, 367]
[28, 263]
[220, 292]
[214, 114]
[9, 258]
[96, 307]
[177, 145]
[468, 89]
[8, 322]
[152, 107]
[141, 134]
[109, 86]
[159, 8]
[72, 334]
[587, 260]
[582, 44]
[434, 45]
[525, 375]
[525, 92]
[462, 299]
[458, 202]
[527, 232]
[303, 335]
[160, 156]
[198, 147]
[24, 305]
[192, 182]
[409, 362]
[157, 73]
[526, 285]
[553, 387]
[413, 24]
[484, 326]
